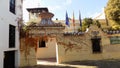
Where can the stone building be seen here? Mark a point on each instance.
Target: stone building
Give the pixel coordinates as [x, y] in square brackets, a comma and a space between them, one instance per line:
[10, 16]
[44, 30]
[51, 41]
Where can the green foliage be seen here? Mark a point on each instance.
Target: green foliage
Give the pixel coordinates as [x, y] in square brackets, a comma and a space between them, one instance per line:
[83, 29]
[23, 31]
[87, 22]
[116, 27]
[112, 10]
[97, 23]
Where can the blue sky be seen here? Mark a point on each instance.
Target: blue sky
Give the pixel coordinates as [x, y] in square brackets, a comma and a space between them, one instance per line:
[88, 8]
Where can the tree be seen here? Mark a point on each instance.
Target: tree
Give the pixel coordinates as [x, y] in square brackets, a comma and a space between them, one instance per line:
[97, 23]
[112, 11]
[87, 22]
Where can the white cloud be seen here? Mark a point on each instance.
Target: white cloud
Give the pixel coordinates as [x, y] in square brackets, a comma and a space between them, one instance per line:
[61, 5]
[53, 8]
[36, 3]
[67, 2]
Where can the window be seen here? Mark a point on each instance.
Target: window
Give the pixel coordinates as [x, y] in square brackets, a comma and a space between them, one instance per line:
[42, 43]
[12, 6]
[11, 36]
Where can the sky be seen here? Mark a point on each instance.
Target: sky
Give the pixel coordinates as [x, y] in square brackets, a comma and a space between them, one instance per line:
[87, 8]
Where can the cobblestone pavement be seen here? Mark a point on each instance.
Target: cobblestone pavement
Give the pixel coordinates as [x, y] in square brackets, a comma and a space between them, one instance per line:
[80, 64]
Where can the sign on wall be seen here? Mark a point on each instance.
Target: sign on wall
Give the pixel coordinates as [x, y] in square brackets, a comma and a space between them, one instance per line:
[115, 40]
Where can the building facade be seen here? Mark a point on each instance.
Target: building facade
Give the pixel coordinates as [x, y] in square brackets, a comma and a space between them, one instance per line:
[70, 45]
[93, 45]
[10, 16]
[42, 30]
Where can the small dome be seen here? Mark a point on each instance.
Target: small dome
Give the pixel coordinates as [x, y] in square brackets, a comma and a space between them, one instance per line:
[46, 15]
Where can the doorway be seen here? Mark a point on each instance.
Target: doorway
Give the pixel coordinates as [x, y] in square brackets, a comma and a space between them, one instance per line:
[96, 48]
[46, 51]
[9, 59]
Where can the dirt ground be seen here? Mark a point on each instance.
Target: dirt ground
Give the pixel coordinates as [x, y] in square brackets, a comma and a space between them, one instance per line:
[81, 64]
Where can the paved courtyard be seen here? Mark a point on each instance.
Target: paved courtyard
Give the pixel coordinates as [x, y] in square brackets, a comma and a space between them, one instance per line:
[77, 64]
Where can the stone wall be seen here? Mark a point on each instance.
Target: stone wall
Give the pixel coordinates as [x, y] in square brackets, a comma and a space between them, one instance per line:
[79, 48]
[27, 53]
[71, 48]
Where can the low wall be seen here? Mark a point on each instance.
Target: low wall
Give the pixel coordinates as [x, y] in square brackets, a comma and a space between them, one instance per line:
[79, 47]
[108, 52]
[28, 60]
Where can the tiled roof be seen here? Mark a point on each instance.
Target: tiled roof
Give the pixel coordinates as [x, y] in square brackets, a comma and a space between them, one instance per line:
[37, 10]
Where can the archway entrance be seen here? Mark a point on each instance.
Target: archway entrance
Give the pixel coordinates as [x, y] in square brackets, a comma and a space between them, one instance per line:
[44, 26]
[46, 52]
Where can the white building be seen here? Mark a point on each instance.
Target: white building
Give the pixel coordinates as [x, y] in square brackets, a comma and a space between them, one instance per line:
[10, 15]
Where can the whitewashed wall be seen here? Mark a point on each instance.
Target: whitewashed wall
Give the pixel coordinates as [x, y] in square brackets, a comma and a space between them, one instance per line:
[6, 18]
